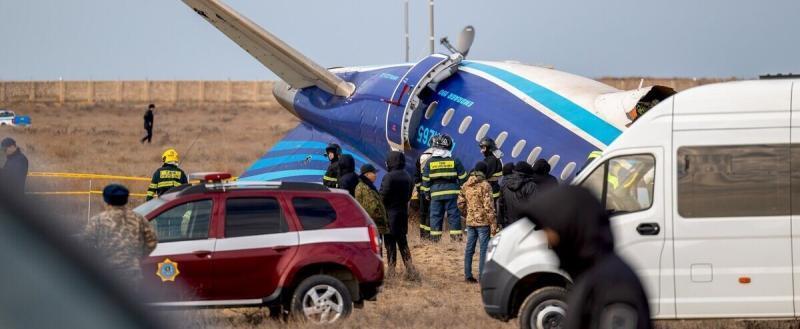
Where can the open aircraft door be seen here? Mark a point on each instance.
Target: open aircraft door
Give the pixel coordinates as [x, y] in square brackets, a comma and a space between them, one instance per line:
[405, 107]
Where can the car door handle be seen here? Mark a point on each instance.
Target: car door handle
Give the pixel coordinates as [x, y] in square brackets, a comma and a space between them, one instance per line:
[202, 253]
[648, 229]
[280, 248]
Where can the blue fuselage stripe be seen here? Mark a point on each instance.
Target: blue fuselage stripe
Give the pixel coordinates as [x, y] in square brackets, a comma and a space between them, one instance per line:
[277, 175]
[294, 145]
[563, 107]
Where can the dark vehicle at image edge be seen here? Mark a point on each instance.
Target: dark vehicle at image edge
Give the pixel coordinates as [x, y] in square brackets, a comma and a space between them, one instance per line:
[298, 247]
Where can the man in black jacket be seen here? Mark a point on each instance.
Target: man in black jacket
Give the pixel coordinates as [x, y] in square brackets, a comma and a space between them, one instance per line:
[331, 178]
[348, 180]
[607, 293]
[495, 166]
[518, 188]
[541, 175]
[396, 192]
[148, 123]
[15, 170]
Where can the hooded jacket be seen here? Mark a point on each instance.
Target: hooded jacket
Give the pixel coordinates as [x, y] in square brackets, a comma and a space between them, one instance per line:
[331, 178]
[518, 189]
[396, 192]
[347, 174]
[14, 172]
[542, 177]
[606, 288]
[475, 201]
[369, 199]
[495, 172]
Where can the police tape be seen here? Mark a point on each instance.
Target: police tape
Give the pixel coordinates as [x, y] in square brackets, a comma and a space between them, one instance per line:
[78, 193]
[87, 176]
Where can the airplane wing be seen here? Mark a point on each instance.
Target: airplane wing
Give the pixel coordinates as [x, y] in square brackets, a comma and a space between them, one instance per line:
[300, 157]
[289, 64]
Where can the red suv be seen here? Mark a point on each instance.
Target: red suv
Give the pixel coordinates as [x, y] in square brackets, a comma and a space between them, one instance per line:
[294, 246]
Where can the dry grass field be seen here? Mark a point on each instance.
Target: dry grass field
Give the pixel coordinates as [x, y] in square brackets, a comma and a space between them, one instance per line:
[104, 139]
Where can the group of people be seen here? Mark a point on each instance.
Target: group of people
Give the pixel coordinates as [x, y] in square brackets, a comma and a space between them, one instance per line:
[485, 198]
[387, 205]
[606, 291]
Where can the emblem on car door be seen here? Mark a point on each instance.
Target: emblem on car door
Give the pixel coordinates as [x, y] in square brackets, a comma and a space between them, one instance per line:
[167, 270]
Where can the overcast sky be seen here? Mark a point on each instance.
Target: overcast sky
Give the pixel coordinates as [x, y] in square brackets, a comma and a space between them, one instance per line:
[165, 39]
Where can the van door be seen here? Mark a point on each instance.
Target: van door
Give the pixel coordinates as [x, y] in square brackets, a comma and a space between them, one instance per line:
[731, 218]
[795, 193]
[630, 186]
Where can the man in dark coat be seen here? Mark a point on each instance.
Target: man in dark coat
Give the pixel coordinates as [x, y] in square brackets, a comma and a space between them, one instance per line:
[607, 293]
[541, 175]
[148, 123]
[518, 189]
[348, 180]
[396, 192]
[15, 170]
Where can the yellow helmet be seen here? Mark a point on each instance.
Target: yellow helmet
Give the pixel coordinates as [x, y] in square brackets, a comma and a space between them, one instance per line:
[170, 155]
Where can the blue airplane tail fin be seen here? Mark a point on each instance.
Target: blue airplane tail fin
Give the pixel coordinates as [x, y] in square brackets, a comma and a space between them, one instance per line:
[300, 157]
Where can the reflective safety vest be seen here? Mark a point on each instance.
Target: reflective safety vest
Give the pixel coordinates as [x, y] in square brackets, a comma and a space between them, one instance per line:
[331, 177]
[442, 178]
[165, 178]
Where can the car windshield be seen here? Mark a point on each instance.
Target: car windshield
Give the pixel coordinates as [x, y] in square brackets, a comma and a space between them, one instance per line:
[149, 206]
[6, 114]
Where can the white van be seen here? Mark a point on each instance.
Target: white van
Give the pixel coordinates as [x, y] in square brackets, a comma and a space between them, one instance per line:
[704, 195]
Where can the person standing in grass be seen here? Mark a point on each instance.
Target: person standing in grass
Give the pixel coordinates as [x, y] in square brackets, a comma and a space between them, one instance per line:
[148, 123]
[475, 201]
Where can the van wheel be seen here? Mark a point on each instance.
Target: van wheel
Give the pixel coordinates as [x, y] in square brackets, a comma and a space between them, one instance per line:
[544, 309]
[321, 299]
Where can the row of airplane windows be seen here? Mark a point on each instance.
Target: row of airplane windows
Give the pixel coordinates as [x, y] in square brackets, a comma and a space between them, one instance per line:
[501, 139]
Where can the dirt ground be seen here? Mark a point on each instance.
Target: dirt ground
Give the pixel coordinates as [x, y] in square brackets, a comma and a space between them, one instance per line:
[104, 139]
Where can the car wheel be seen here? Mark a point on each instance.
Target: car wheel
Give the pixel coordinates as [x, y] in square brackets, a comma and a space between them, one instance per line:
[544, 309]
[321, 299]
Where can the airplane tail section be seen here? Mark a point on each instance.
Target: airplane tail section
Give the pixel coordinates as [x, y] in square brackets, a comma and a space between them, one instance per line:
[289, 64]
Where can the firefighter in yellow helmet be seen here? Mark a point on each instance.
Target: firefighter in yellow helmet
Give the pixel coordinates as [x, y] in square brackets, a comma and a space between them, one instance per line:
[168, 176]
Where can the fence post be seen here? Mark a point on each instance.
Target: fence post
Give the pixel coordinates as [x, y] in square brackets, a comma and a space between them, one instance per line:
[89, 212]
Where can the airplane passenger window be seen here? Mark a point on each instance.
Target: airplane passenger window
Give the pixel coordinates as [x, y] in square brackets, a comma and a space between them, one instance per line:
[518, 148]
[733, 181]
[464, 125]
[501, 139]
[482, 132]
[431, 110]
[534, 154]
[553, 161]
[448, 116]
[568, 169]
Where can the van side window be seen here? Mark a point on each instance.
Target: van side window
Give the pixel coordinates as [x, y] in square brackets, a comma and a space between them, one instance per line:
[624, 184]
[253, 216]
[188, 221]
[733, 181]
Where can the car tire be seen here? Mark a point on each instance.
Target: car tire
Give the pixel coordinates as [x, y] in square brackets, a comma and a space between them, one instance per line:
[545, 308]
[321, 299]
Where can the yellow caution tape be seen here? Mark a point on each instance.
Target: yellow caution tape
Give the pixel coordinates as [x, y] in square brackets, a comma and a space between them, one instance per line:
[78, 193]
[86, 176]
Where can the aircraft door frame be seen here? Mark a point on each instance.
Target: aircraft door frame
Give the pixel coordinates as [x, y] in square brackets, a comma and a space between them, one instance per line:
[404, 110]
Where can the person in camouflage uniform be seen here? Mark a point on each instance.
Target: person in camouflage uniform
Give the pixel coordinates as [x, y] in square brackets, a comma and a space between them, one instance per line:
[476, 202]
[369, 198]
[120, 235]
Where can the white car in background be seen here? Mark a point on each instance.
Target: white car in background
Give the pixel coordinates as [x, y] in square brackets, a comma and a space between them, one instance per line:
[7, 118]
